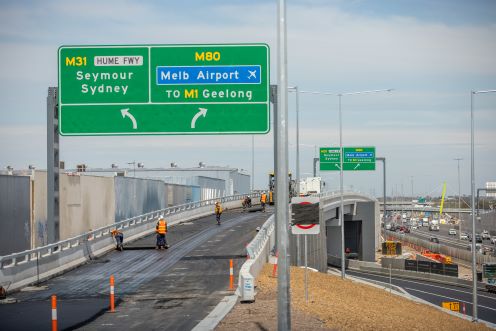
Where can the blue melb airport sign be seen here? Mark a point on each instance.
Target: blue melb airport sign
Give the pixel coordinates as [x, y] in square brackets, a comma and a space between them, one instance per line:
[239, 74]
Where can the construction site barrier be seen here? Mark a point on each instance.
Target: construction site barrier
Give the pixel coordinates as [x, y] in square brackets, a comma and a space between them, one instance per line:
[258, 251]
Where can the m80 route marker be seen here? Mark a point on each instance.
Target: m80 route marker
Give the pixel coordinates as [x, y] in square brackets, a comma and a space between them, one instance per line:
[164, 89]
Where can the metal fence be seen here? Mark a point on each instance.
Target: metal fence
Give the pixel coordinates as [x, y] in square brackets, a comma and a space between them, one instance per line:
[453, 252]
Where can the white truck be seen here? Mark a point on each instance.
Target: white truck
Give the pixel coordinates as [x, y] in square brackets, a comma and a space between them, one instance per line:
[434, 225]
[310, 185]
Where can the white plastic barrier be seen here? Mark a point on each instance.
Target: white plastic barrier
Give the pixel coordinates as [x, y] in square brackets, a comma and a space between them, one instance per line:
[20, 269]
[258, 251]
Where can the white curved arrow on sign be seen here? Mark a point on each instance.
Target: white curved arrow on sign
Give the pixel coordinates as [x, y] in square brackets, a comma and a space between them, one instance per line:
[125, 112]
[203, 111]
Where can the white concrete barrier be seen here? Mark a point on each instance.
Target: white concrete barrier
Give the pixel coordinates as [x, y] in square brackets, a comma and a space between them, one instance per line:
[21, 269]
[258, 251]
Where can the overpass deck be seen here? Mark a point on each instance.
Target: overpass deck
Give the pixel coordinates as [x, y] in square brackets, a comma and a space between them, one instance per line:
[158, 289]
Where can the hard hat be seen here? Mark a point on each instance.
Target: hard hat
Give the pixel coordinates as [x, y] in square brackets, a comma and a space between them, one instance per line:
[161, 217]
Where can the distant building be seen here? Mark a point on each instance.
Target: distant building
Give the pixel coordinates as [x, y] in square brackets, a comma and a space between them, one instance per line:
[214, 181]
[491, 186]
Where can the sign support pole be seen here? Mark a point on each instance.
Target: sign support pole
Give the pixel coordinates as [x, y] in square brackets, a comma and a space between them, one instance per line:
[341, 203]
[306, 270]
[282, 185]
[53, 225]
[383, 159]
[273, 99]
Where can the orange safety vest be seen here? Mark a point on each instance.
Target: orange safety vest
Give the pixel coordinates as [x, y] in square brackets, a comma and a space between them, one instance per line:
[263, 198]
[218, 209]
[162, 227]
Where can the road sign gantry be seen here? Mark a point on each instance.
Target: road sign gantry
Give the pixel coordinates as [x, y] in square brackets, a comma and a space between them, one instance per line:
[164, 89]
[355, 158]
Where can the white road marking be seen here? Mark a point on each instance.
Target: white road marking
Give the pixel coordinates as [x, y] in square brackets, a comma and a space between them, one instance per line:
[443, 296]
[445, 288]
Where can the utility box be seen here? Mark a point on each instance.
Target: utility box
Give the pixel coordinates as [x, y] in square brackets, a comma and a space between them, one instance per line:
[247, 287]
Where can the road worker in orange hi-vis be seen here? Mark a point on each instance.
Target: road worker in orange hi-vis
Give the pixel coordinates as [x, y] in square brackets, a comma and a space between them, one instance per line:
[161, 230]
[119, 238]
[263, 201]
[218, 212]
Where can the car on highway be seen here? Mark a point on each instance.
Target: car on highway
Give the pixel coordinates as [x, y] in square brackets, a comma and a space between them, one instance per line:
[452, 232]
[464, 236]
[414, 227]
[434, 240]
[485, 235]
[478, 248]
[493, 240]
[478, 238]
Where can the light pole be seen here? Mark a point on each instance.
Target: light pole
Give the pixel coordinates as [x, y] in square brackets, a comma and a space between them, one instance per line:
[295, 90]
[472, 190]
[252, 162]
[383, 159]
[459, 193]
[341, 204]
[411, 179]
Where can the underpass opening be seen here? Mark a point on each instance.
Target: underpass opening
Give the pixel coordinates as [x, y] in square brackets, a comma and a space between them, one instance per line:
[353, 239]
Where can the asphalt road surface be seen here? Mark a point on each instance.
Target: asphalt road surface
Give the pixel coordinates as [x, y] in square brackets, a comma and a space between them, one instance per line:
[437, 293]
[169, 289]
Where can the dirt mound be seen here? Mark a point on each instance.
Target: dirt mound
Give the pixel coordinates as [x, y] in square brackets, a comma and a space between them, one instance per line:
[336, 304]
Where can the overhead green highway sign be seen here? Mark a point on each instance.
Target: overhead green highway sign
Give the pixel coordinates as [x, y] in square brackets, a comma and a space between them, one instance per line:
[355, 158]
[164, 89]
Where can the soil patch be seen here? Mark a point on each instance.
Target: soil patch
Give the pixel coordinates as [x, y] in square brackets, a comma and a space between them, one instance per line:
[336, 304]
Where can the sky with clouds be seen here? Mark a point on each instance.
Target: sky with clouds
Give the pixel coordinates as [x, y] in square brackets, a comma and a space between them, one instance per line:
[433, 53]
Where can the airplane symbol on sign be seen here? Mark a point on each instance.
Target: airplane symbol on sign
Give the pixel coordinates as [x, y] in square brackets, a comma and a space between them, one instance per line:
[252, 74]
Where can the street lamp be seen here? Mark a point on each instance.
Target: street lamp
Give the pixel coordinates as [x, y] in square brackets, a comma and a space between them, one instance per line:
[252, 162]
[472, 189]
[134, 163]
[459, 204]
[341, 205]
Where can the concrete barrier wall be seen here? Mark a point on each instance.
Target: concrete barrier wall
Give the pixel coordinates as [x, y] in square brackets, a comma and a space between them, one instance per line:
[258, 251]
[86, 203]
[136, 196]
[15, 213]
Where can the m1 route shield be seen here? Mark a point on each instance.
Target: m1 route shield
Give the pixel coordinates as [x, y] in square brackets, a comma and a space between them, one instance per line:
[164, 89]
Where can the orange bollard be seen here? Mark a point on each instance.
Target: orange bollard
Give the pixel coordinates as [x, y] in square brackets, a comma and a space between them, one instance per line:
[274, 271]
[54, 313]
[112, 302]
[231, 275]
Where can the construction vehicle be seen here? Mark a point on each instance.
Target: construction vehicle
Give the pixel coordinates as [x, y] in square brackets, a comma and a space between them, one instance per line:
[272, 187]
[310, 185]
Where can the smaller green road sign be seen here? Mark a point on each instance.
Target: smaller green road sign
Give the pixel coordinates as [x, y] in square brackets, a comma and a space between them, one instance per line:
[355, 158]
[330, 158]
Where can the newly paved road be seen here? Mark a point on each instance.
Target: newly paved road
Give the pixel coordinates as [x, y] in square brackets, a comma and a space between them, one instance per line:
[170, 289]
[437, 293]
